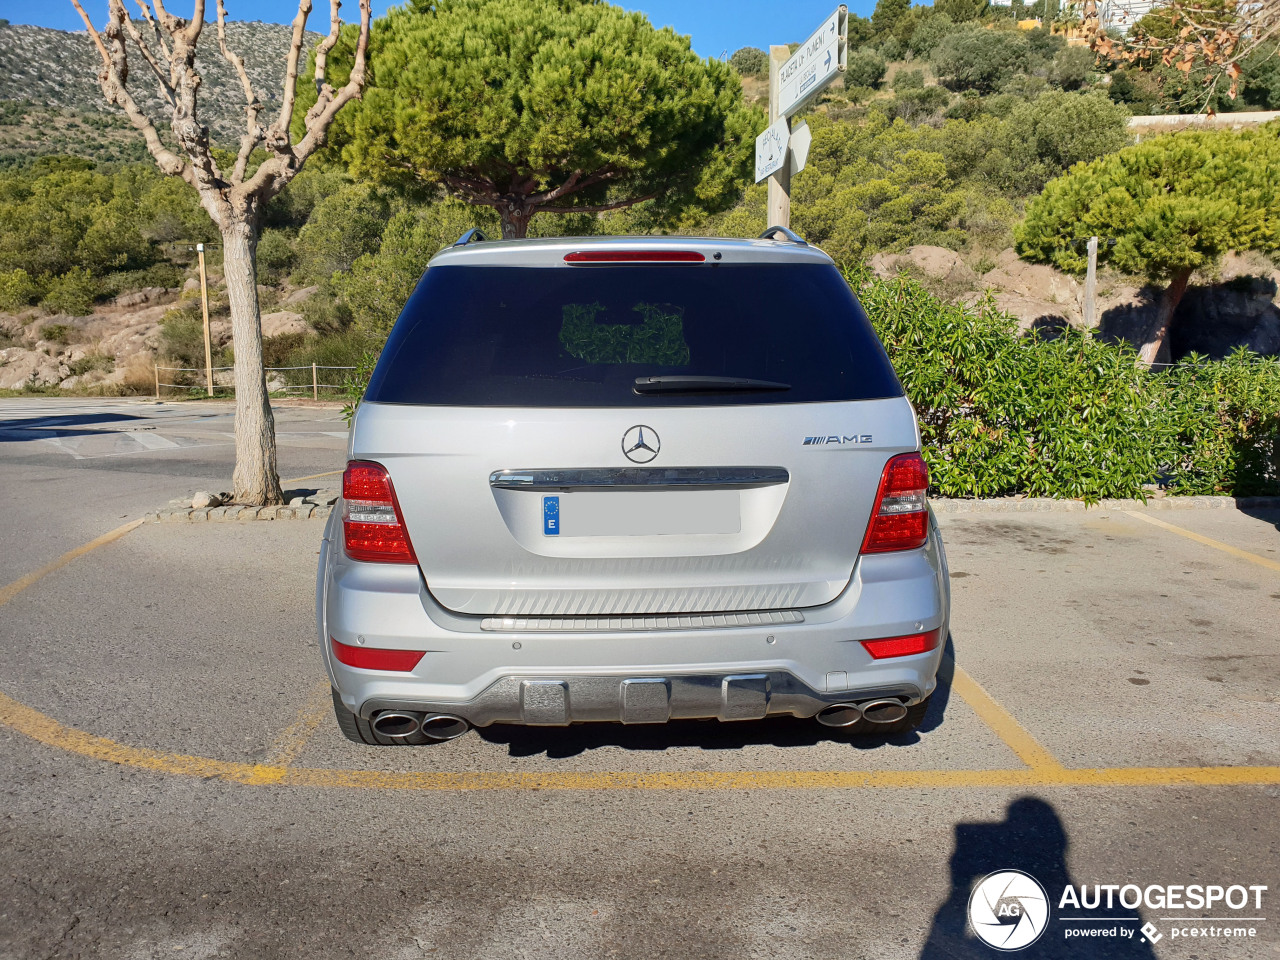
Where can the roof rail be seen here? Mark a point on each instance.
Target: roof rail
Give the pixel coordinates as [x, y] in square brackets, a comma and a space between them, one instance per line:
[787, 234]
[471, 236]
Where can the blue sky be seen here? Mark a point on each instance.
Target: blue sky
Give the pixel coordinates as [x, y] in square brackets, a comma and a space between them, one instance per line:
[714, 25]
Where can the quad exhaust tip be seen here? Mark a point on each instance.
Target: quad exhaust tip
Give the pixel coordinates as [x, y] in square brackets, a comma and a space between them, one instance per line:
[392, 723]
[399, 725]
[884, 711]
[840, 715]
[442, 726]
[873, 711]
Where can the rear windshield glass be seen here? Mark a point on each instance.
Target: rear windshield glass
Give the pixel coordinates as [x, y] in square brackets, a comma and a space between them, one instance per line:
[580, 336]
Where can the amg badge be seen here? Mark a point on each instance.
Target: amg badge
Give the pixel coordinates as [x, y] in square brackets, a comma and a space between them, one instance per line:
[858, 438]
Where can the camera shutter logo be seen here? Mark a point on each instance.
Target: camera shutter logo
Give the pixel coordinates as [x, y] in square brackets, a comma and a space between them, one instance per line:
[1009, 910]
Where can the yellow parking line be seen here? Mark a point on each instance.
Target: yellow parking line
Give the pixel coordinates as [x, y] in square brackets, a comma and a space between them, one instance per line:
[314, 476]
[1015, 735]
[7, 593]
[48, 731]
[291, 740]
[1208, 541]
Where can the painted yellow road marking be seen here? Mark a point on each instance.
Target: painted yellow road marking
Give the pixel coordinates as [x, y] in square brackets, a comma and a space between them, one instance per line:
[1209, 541]
[314, 476]
[50, 732]
[292, 739]
[7, 593]
[1043, 768]
[1001, 721]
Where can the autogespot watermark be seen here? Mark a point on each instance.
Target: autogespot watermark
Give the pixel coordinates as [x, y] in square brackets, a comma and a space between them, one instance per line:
[1010, 910]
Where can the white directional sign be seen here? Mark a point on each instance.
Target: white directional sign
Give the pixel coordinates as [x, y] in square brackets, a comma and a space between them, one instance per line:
[771, 149]
[801, 138]
[819, 60]
[774, 144]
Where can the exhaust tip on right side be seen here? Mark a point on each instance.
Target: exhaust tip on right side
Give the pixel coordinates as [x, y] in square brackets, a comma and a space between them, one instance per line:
[442, 726]
[884, 711]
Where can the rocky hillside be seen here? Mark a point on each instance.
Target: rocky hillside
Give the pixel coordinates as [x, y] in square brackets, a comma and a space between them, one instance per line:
[58, 71]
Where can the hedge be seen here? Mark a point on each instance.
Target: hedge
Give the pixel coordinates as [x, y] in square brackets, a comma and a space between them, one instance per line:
[1067, 415]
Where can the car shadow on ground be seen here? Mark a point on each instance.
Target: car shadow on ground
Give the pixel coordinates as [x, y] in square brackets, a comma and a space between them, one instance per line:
[1269, 515]
[560, 743]
[17, 429]
[1032, 839]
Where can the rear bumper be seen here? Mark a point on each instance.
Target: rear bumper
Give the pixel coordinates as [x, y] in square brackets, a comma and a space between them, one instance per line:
[546, 677]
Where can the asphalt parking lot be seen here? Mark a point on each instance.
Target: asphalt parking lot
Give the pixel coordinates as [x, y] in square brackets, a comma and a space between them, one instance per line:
[175, 784]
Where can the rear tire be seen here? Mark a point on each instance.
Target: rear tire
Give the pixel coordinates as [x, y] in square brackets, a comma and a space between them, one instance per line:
[358, 730]
[913, 719]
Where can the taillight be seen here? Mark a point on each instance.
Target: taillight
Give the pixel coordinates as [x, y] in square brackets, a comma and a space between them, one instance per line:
[900, 518]
[372, 658]
[634, 256]
[372, 527]
[903, 646]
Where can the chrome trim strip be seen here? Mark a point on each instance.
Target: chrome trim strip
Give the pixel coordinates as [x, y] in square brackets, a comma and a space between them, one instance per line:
[639, 477]
[675, 621]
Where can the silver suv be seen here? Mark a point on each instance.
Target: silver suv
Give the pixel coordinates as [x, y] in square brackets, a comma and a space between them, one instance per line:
[637, 480]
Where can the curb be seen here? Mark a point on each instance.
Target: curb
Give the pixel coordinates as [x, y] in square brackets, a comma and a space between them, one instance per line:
[1050, 505]
[305, 505]
[238, 514]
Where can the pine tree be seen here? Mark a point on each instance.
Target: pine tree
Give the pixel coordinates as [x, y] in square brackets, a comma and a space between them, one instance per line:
[1165, 208]
[530, 106]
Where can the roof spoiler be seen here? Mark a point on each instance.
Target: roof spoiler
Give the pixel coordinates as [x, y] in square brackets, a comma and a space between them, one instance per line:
[471, 236]
[787, 235]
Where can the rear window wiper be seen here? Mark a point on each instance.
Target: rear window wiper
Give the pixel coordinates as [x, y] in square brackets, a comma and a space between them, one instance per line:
[695, 384]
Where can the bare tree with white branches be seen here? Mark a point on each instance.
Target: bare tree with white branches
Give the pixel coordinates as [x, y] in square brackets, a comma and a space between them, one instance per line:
[235, 199]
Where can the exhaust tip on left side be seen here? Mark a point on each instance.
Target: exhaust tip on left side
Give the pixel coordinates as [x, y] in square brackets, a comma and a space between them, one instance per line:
[397, 725]
[839, 715]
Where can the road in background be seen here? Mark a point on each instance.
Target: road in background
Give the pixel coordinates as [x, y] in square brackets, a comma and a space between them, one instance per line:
[75, 468]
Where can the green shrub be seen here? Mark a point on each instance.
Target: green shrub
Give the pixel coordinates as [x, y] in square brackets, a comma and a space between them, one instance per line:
[56, 333]
[378, 284]
[930, 32]
[343, 226]
[750, 62]
[1071, 67]
[17, 290]
[980, 59]
[908, 80]
[1225, 419]
[866, 68]
[93, 361]
[165, 275]
[1071, 416]
[276, 254]
[72, 293]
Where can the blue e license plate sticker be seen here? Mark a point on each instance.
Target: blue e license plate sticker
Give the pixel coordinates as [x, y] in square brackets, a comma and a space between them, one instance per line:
[551, 516]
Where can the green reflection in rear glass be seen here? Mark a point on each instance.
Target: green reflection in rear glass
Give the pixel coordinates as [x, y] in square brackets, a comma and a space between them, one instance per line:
[658, 339]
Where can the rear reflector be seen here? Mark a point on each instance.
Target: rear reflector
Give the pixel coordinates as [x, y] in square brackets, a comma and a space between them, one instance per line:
[367, 658]
[372, 528]
[902, 646]
[900, 518]
[634, 256]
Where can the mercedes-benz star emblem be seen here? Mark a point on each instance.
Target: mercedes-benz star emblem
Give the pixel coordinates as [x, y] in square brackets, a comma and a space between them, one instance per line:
[640, 444]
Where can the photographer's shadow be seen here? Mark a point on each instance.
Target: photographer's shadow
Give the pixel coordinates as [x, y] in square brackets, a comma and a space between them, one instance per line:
[1031, 839]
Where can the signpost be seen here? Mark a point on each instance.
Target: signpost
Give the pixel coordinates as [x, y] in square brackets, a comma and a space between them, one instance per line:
[794, 80]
